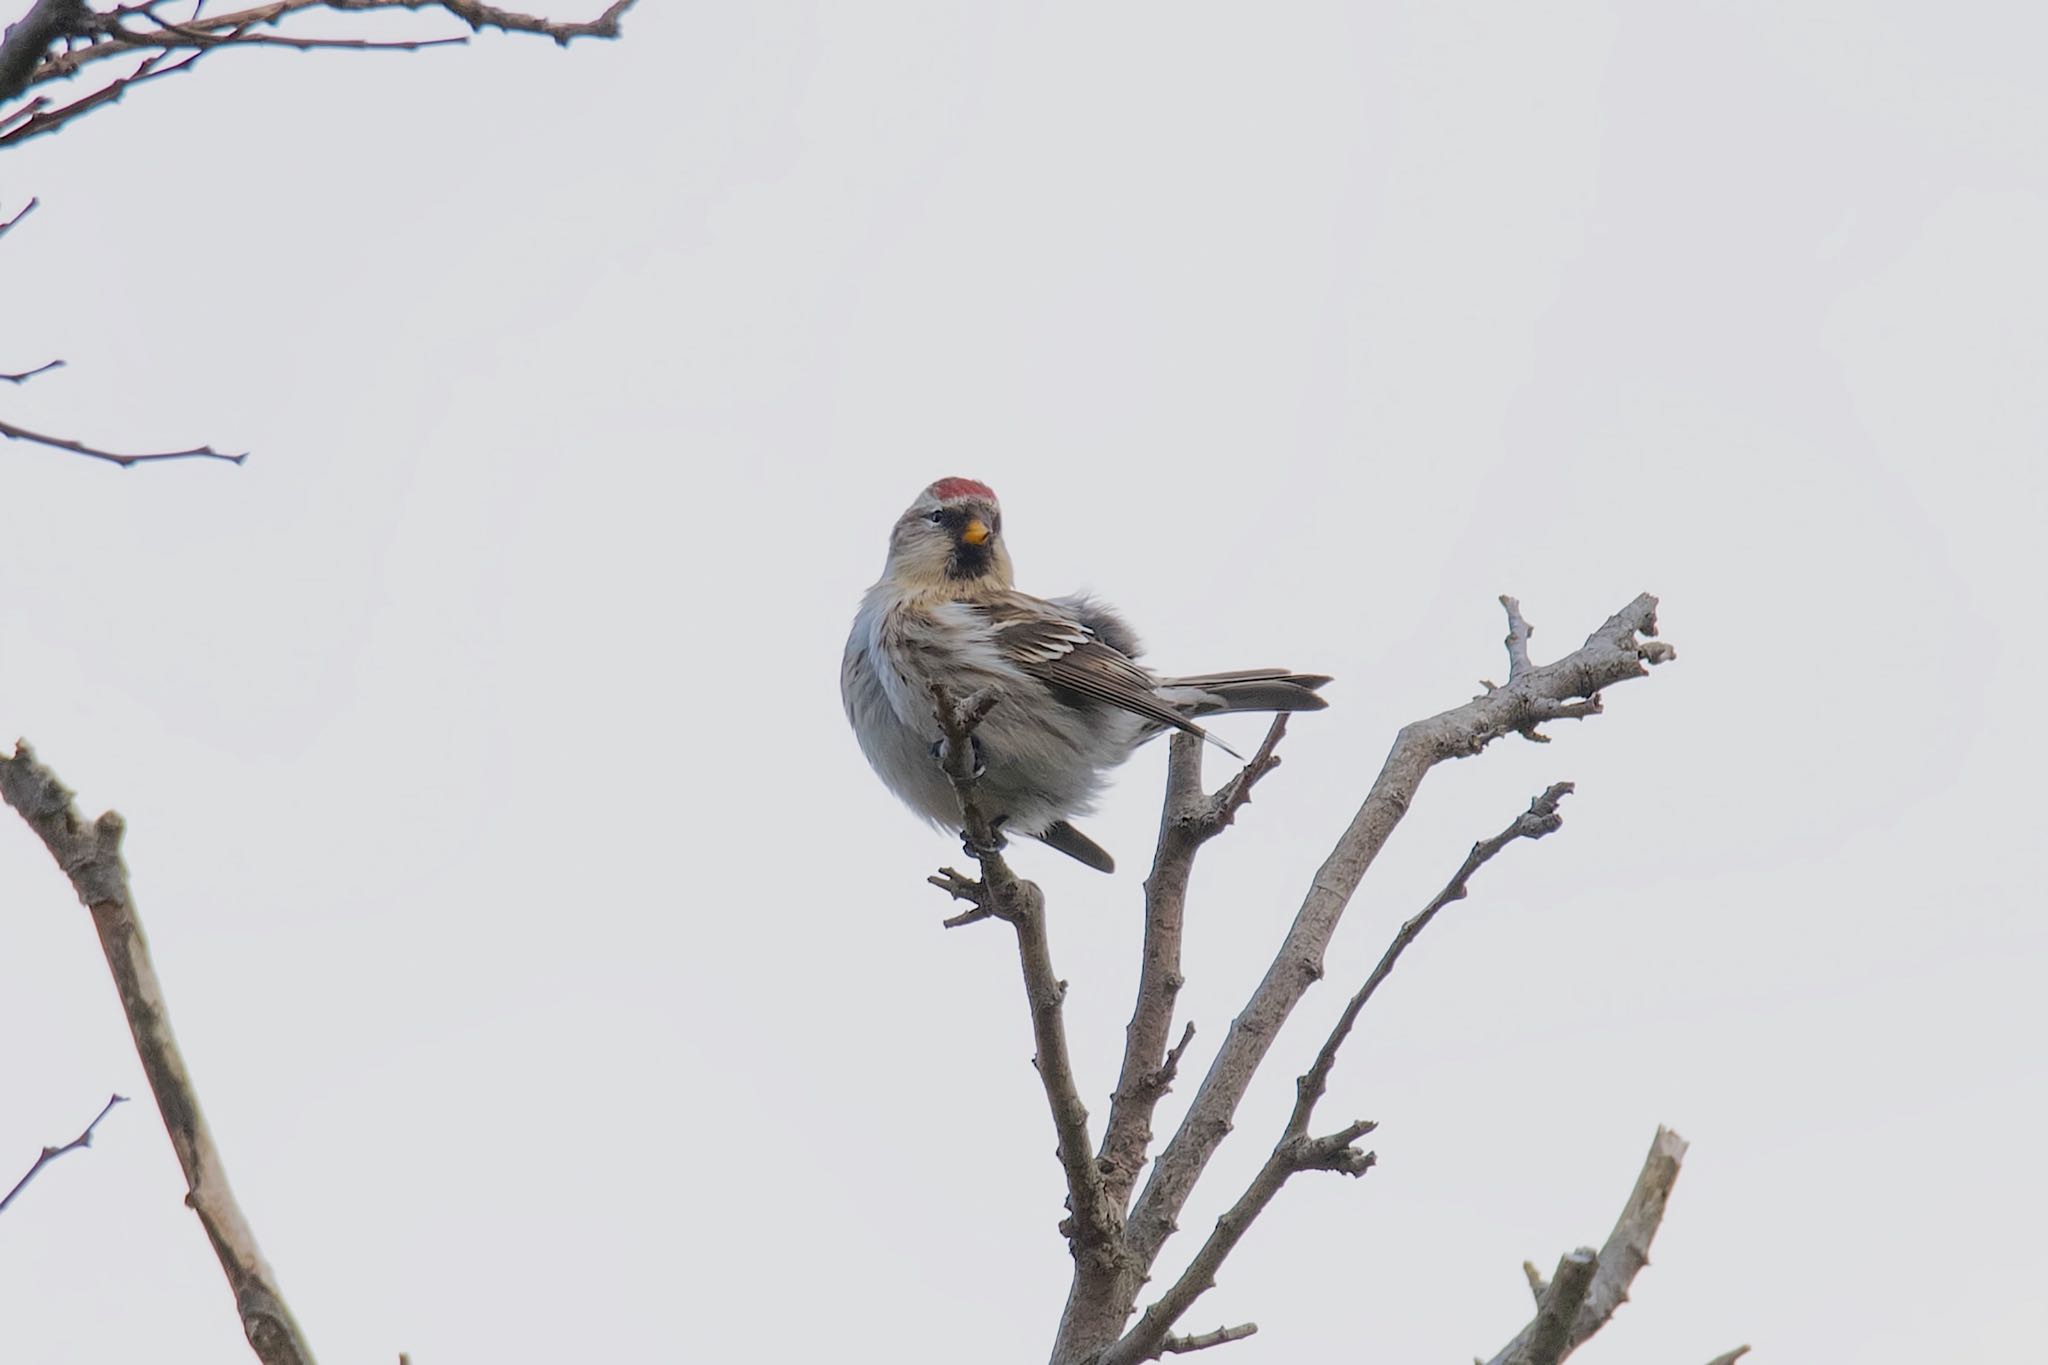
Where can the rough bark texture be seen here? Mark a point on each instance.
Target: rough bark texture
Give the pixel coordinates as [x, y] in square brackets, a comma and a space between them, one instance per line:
[90, 855]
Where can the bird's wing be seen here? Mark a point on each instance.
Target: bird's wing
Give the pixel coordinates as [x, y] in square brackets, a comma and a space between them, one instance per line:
[1051, 646]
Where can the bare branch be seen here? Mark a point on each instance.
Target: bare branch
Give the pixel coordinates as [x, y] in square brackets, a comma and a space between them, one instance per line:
[1537, 1284]
[59, 38]
[1099, 1301]
[14, 433]
[1625, 1253]
[1550, 1332]
[1296, 1150]
[23, 376]
[1174, 1346]
[25, 211]
[50, 1154]
[90, 855]
[1730, 1357]
[1091, 1227]
[1540, 819]
[1519, 632]
[1188, 820]
[1568, 688]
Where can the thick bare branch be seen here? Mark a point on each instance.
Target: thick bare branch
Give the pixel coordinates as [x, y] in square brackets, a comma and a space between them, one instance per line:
[50, 1154]
[1625, 1253]
[1567, 689]
[90, 855]
[1091, 1226]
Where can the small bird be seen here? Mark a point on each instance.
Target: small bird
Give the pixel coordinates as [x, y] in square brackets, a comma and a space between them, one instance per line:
[1072, 704]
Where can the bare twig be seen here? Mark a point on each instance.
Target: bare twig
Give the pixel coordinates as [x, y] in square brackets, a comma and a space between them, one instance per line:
[1091, 1225]
[90, 855]
[1730, 1357]
[23, 212]
[14, 433]
[1625, 1253]
[1568, 688]
[1296, 1150]
[23, 376]
[50, 1154]
[59, 38]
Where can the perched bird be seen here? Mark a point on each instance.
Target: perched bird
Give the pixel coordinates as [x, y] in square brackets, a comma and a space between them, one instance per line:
[1073, 701]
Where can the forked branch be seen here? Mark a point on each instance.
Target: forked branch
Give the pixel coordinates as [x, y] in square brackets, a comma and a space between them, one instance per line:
[1621, 649]
[1554, 1332]
[90, 855]
[1297, 1151]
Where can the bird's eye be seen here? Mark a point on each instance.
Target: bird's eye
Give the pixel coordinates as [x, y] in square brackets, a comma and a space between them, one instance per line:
[935, 518]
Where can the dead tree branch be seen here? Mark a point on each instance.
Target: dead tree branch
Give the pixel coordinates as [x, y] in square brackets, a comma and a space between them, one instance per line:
[90, 855]
[1621, 649]
[1296, 1150]
[23, 376]
[50, 1154]
[1091, 1227]
[57, 39]
[1098, 1304]
[15, 433]
[1554, 1333]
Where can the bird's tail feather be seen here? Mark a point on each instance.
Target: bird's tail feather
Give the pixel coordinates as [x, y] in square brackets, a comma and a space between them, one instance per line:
[1252, 689]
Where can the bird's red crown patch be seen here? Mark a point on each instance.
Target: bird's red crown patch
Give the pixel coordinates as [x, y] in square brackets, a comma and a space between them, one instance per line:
[945, 490]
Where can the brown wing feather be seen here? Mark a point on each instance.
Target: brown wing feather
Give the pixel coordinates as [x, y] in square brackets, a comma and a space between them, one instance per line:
[1062, 652]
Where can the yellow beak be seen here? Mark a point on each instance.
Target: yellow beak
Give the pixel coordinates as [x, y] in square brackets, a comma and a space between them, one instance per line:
[975, 531]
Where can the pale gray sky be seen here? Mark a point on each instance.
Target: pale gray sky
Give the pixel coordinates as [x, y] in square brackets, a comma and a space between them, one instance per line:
[560, 983]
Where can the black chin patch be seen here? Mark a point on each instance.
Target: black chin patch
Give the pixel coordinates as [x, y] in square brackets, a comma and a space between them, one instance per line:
[970, 561]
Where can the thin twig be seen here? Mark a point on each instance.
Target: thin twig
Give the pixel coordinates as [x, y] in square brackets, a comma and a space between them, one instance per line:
[23, 376]
[1730, 1357]
[46, 47]
[50, 1154]
[14, 433]
[90, 855]
[25, 211]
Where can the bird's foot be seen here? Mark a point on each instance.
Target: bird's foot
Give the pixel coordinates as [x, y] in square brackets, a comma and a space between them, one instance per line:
[996, 844]
[974, 743]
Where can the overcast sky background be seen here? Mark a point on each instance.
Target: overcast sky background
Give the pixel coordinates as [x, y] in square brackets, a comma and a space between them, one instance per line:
[559, 982]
